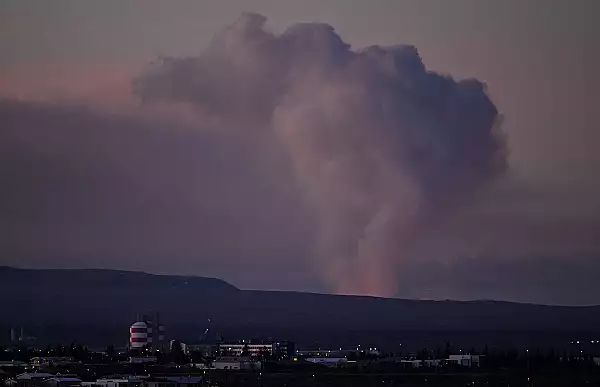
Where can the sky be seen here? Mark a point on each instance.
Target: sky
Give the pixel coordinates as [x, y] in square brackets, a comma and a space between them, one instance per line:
[434, 150]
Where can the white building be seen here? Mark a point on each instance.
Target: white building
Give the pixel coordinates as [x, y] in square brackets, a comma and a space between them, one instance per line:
[253, 349]
[202, 366]
[464, 360]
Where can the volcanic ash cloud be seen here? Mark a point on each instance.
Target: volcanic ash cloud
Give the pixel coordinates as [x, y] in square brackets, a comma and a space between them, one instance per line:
[381, 147]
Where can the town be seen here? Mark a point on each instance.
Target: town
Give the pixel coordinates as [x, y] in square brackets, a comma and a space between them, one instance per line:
[150, 359]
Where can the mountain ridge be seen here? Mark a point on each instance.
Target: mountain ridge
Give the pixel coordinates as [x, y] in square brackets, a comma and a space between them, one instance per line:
[5, 268]
[71, 299]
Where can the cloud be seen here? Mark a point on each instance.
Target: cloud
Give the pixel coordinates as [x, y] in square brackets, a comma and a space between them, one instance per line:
[292, 161]
[380, 146]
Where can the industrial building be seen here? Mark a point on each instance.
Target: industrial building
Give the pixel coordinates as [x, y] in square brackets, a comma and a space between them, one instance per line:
[204, 349]
[138, 335]
[237, 349]
[282, 349]
[464, 360]
[147, 332]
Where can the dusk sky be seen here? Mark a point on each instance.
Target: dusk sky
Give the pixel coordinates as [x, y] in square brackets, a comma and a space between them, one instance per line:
[273, 145]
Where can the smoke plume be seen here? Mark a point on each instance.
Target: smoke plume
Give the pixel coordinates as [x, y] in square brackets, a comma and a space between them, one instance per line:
[381, 148]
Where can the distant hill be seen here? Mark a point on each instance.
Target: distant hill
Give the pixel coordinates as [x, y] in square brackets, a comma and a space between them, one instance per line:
[100, 305]
[105, 279]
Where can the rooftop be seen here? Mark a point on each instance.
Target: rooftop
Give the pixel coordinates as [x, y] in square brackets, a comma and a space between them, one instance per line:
[12, 362]
[66, 379]
[34, 375]
[185, 379]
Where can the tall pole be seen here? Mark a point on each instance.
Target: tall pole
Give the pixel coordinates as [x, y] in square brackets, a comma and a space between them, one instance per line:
[528, 369]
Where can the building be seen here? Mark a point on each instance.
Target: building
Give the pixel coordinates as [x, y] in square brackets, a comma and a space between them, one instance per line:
[432, 362]
[131, 381]
[328, 361]
[185, 381]
[182, 345]
[324, 353]
[236, 363]
[204, 349]
[156, 330]
[13, 364]
[29, 379]
[63, 382]
[41, 362]
[284, 349]
[416, 363]
[201, 365]
[147, 332]
[142, 359]
[237, 349]
[20, 336]
[158, 382]
[138, 335]
[34, 375]
[464, 360]
[170, 381]
[411, 363]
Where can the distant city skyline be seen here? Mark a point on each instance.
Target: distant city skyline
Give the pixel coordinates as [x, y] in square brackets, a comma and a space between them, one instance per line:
[277, 158]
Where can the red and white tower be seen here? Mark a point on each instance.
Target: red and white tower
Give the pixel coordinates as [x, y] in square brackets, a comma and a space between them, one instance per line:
[138, 335]
[147, 331]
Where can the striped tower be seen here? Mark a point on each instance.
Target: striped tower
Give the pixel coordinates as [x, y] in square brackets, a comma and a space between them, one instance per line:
[138, 335]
